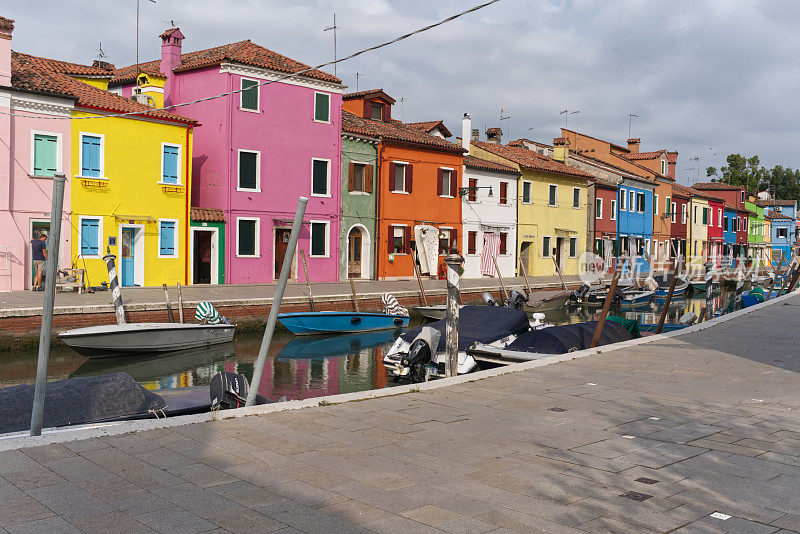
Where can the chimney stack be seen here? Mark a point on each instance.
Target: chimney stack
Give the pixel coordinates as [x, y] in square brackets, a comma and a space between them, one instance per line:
[170, 59]
[466, 131]
[494, 135]
[633, 145]
[476, 134]
[561, 149]
[6, 29]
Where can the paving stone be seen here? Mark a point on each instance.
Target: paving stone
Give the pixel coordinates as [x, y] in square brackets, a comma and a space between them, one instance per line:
[199, 501]
[310, 520]
[244, 521]
[140, 503]
[520, 522]
[355, 512]
[789, 522]
[44, 526]
[111, 488]
[77, 469]
[174, 521]
[70, 502]
[113, 523]
[54, 451]
[22, 510]
[466, 525]
[202, 475]
[430, 515]
[395, 524]
[86, 445]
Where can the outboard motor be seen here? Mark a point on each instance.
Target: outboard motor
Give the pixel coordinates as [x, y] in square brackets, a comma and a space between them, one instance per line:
[580, 293]
[489, 299]
[516, 300]
[421, 354]
[538, 320]
[229, 390]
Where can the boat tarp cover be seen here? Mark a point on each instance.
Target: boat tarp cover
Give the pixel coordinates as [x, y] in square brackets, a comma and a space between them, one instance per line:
[481, 324]
[568, 338]
[631, 325]
[77, 400]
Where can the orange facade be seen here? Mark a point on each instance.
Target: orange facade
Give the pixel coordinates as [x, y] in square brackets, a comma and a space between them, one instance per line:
[400, 209]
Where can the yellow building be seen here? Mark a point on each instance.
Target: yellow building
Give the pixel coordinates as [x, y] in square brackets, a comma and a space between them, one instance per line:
[130, 182]
[551, 208]
[697, 230]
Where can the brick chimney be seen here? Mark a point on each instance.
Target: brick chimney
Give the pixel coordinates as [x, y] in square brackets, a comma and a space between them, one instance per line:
[494, 135]
[633, 145]
[561, 149]
[170, 58]
[672, 161]
[6, 29]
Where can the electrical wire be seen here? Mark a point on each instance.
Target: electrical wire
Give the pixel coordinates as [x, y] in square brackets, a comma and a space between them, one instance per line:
[281, 78]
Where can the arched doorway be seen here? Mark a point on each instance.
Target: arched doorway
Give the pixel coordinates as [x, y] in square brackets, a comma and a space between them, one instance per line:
[358, 256]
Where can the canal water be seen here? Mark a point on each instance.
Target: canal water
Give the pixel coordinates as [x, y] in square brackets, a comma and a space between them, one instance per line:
[296, 368]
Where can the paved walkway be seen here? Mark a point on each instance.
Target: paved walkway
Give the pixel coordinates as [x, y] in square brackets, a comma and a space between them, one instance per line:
[701, 432]
[144, 296]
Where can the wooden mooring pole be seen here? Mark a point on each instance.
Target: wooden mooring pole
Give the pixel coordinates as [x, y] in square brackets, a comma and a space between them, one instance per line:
[180, 304]
[606, 307]
[414, 257]
[353, 293]
[669, 297]
[169, 306]
[525, 274]
[308, 281]
[502, 283]
[454, 262]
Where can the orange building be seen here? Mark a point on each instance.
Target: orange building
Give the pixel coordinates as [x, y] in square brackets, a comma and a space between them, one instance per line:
[417, 188]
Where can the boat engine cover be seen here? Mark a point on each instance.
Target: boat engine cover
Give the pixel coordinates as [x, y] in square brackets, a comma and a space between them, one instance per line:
[488, 299]
[420, 354]
[228, 390]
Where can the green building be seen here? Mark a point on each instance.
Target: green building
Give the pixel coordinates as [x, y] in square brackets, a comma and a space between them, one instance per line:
[755, 229]
[207, 246]
[359, 207]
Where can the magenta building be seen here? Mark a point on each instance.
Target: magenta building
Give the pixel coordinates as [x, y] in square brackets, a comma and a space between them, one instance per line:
[258, 150]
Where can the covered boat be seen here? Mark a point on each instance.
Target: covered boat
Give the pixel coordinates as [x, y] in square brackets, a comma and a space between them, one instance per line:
[664, 280]
[144, 338]
[331, 322]
[432, 313]
[496, 325]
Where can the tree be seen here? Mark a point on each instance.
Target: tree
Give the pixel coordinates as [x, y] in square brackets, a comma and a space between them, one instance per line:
[742, 171]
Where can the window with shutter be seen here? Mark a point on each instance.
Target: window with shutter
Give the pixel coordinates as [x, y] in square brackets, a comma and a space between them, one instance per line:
[666, 208]
[623, 196]
[453, 184]
[546, 246]
[170, 158]
[409, 178]
[357, 179]
[576, 197]
[445, 185]
[399, 178]
[322, 107]
[91, 157]
[472, 238]
[598, 208]
[406, 239]
[503, 242]
[613, 210]
[632, 200]
[552, 198]
[526, 192]
[705, 215]
[320, 177]
[166, 238]
[319, 239]
[376, 111]
[249, 95]
[90, 236]
[249, 170]
[472, 192]
[369, 173]
[45, 155]
[573, 247]
[247, 237]
[503, 192]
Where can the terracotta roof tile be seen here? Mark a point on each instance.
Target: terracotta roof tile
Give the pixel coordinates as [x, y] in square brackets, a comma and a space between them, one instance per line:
[207, 214]
[717, 186]
[778, 216]
[645, 155]
[775, 202]
[243, 53]
[6, 24]
[428, 126]
[43, 75]
[369, 92]
[522, 140]
[478, 163]
[530, 160]
[395, 131]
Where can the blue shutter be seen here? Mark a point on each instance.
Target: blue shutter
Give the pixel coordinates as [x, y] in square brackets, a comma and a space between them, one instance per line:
[90, 245]
[167, 234]
[170, 163]
[90, 156]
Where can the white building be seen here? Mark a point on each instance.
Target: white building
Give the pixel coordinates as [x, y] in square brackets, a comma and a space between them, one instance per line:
[489, 214]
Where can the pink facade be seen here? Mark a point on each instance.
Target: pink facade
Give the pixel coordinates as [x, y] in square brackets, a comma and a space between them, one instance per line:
[286, 137]
[25, 198]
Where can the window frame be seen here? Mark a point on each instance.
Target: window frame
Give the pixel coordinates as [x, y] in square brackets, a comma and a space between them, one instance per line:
[663, 167]
[257, 237]
[239, 170]
[501, 244]
[570, 252]
[446, 171]
[502, 201]
[100, 234]
[472, 189]
[598, 208]
[179, 174]
[578, 191]
[643, 197]
[406, 246]
[472, 234]
[102, 156]
[546, 253]
[674, 214]
[59, 162]
[553, 204]
[623, 203]
[176, 237]
[632, 200]
[327, 178]
[613, 209]
[655, 203]
[403, 191]
[327, 225]
[530, 191]
[778, 232]
[241, 95]
[719, 217]
[361, 191]
[314, 115]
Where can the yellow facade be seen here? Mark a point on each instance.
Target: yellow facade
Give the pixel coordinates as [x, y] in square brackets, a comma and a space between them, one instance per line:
[130, 200]
[100, 83]
[697, 240]
[539, 223]
[153, 86]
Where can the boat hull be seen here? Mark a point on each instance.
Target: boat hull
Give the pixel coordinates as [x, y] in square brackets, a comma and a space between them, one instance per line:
[144, 338]
[432, 313]
[301, 323]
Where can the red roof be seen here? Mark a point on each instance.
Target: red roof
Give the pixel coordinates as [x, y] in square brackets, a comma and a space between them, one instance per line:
[529, 159]
[478, 163]
[645, 155]
[6, 24]
[429, 126]
[395, 131]
[688, 192]
[243, 53]
[717, 186]
[522, 140]
[207, 214]
[780, 216]
[380, 93]
[775, 202]
[50, 76]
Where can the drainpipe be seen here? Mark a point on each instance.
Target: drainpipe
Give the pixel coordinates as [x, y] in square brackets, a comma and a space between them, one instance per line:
[378, 169]
[186, 258]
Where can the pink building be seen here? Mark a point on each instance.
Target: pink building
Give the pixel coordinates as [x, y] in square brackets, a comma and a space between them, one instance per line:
[34, 145]
[257, 152]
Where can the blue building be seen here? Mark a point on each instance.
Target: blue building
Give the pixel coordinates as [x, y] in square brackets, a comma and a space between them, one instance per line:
[635, 221]
[729, 222]
[783, 215]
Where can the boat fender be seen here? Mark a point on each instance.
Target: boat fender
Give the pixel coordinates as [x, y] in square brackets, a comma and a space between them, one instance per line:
[398, 321]
[355, 320]
[488, 299]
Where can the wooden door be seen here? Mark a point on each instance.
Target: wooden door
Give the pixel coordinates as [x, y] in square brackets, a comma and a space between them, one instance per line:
[281, 243]
[354, 254]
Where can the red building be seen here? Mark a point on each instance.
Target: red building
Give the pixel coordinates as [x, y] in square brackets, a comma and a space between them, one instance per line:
[716, 240]
[679, 216]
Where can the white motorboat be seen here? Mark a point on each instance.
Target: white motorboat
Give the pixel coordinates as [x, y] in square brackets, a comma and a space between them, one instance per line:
[137, 338]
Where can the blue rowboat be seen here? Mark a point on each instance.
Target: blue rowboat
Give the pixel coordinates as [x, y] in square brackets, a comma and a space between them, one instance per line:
[331, 322]
[637, 298]
[326, 346]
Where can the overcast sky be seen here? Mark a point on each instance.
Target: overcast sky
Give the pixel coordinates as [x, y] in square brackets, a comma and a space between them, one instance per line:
[705, 77]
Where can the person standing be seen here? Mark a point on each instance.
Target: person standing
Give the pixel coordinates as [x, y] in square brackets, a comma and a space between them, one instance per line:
[39, 259]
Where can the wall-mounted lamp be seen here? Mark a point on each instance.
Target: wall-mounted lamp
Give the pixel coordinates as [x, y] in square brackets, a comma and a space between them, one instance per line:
[467, 190]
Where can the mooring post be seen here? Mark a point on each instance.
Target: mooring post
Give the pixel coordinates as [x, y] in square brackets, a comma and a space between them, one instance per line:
[354, 296]
[308, 280]
[51, 267]
[415, 260]
[709, 290]
[113, 282]
[500, 277]
[669, 296]
[180, 303]
[454, 260]
[169, 305]
[525, 274]
[286, 269]
[606, 306]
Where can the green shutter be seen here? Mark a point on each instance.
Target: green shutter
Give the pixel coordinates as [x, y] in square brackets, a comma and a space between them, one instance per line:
[318, 245]
[319, 184]
[249, 94]
[322, 107]
[246, 241]
[248, 170]
[667, 207]
[45, 154]
[705, 215]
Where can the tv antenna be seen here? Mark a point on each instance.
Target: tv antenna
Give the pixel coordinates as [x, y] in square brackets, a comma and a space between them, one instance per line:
[530, 132]
[696, 168]
[402, 101]
[101, 54]
[630, 118]
[356, 82]
[506, 118]
[334, 28]
[577, 116]
[138, 70]
[566, 116]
